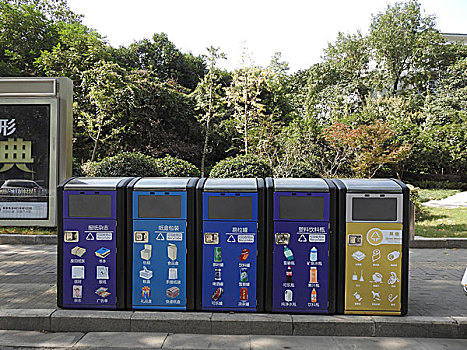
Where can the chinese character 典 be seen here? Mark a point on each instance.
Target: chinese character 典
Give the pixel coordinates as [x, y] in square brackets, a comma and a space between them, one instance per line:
[16, 152]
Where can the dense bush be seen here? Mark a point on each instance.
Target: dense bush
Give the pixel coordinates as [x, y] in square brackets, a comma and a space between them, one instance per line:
[174, 167]
[123, 164]
[446, 184]
[300, 169]
[77, 168]
[241, 166]
[415, 199]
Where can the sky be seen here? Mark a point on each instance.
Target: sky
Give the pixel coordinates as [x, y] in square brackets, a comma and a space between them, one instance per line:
[299, 29]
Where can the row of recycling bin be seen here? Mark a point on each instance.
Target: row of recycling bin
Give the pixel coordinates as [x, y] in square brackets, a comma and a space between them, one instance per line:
[252, 245]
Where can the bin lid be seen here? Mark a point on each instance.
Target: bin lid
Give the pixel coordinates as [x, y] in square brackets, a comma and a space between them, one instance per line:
[230, 185]
[94, 183]
[371, 185]
[162, 183]
[300, 185]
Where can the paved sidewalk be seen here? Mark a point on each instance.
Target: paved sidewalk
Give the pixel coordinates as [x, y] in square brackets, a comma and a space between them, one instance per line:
[28, 279]
[455, 201]
[126, 340]
[437, 306]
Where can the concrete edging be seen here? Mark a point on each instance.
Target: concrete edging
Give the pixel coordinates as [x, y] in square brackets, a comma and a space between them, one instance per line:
[27, 239]
[232, 323]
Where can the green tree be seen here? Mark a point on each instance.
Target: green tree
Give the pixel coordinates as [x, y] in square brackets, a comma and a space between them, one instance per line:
[406, 45]
[160, 57]
[110, 97]
[445, 131]
[244, 95]
[209, 98]
[162, 120]
[24, 33]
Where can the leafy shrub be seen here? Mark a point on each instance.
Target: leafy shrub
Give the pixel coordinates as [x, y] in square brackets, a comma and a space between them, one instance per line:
[298, 170]
[241, 166]
[123, 164]
[77, 168]
[415, 199]
[444, 185]
[174, 167]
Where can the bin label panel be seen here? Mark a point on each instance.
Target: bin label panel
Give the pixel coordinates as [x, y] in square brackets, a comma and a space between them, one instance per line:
[229, 265]
[373, 267]
[300, 266]
[89, 263]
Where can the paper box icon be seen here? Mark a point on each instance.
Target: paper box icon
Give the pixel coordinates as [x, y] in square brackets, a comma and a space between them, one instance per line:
[172, 251]
[146, 252]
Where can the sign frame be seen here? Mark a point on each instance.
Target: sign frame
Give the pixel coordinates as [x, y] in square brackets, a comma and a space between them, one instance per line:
[53, 156]
[57, 94]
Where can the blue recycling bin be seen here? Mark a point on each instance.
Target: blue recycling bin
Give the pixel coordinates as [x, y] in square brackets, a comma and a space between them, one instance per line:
[300, 246]
[230, 252]
[91, 243]
[161, 229]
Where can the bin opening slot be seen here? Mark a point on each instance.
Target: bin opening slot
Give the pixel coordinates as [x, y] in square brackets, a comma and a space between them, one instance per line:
[159, 206]
[233, 208]
[374, 209]
[89, 205]
[301, 208]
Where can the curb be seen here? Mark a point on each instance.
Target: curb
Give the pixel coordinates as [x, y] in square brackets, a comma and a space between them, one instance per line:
[419, 242]
[27, 239]
[51, 320]
[446, 243]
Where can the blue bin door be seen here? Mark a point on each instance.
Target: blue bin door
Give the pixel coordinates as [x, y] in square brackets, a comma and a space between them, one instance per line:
[229, 265]
[159, 256]
[90, 258]
[159, 264]
[300, 267]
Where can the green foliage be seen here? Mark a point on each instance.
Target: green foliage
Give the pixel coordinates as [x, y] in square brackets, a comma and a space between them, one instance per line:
[304, 150]
[77, 168]
[24, 33]
[241, 166]
[210, 100]
[415, 199]
[446, 184]
[160, 57]
[123, 164]
[406, 46]
[162, 120]
[173, 167]
[109, 98]
[400, 85]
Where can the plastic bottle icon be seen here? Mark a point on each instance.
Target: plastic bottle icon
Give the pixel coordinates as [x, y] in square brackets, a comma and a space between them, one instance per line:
[313, 254]
[313, 296]
[288, 295]
[288, 275]
[288, 253]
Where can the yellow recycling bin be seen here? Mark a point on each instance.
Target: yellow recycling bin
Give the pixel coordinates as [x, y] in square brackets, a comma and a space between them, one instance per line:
[373, 246]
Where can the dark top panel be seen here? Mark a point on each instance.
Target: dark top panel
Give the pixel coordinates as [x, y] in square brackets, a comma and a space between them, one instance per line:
[300, 185]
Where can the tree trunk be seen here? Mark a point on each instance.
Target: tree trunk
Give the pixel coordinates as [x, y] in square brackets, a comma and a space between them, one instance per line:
[95, 143]
[206, 137]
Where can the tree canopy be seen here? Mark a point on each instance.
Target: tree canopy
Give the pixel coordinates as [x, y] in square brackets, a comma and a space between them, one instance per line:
[391, 102]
